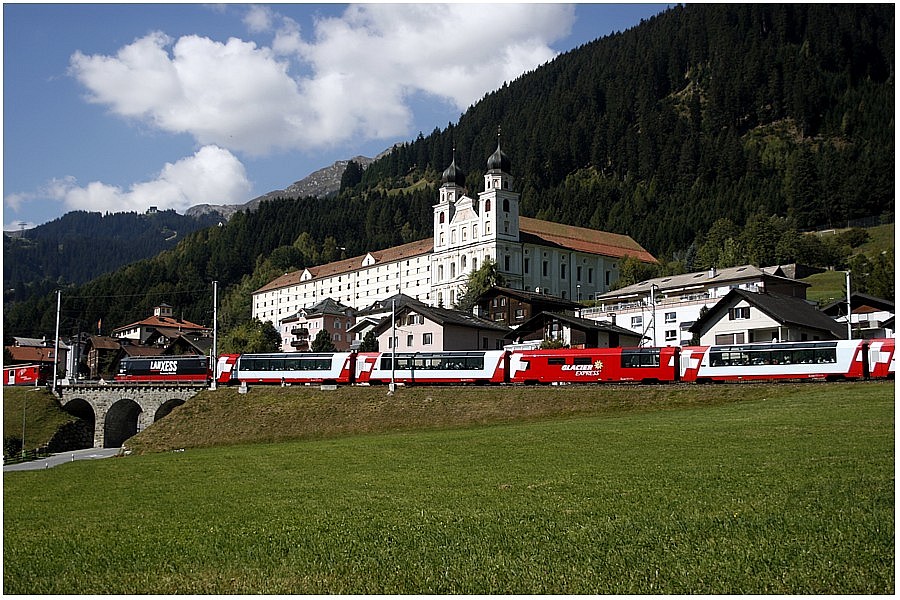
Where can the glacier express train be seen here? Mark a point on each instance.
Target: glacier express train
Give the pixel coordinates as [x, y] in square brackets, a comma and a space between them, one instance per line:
[820, 360]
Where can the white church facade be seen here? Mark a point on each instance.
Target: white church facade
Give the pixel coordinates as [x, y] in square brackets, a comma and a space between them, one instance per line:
[532, 255]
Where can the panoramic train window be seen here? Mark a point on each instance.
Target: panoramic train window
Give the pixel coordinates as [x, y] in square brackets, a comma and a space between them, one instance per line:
[773, 354]
[438, 362]
[633, 359]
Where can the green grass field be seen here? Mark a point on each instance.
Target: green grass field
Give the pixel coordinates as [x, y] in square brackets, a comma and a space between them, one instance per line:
[772, 489]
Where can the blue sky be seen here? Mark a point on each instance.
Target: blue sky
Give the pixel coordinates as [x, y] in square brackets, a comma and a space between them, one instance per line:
[118, 107]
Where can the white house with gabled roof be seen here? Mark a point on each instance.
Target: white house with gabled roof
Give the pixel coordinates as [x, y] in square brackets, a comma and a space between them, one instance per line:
[663, 309]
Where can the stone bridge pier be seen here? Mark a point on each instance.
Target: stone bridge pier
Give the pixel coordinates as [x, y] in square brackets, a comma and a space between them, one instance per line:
[119, 411]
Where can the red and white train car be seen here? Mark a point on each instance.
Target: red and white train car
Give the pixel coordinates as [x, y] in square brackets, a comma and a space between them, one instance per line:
[593, 365]
[487, 366]
[841, 359]
[882, 358]
[22, 375]
[284, 368]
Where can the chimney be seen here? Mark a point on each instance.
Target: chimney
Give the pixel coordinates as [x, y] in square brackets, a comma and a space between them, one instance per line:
[712, 272]
[612, 317]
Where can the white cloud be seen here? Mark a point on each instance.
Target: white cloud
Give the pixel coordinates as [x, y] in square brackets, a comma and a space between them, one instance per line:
[359, 72]
[211, 176]
[259, 18]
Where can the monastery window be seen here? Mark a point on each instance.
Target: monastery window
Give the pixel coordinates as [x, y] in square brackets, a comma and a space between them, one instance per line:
[452, 271]
[506, 263]
[462, 263]
[527, 264]
[506, 204]
[505, 226]
[487, 228]
[452, 297]
[441, 242]
[464, 234]
[441, 218]
[545, 268]
[487, 204]
[578, 273]
[453, 236]
[562, 271]
[474, 264]
[475, 231]
[440, 276]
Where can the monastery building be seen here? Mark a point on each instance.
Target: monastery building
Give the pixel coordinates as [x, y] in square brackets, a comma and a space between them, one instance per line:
[533, 255]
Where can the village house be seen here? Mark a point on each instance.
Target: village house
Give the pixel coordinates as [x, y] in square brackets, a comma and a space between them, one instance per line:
[298, 331]
[512, 307]
[418, 327]
[663, 309]
[163, 326]
[745, 317]
[870, 317]
[572, 332]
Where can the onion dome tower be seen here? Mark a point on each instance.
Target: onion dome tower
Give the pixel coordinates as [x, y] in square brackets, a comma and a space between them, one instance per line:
[498, 205]
[453, 181]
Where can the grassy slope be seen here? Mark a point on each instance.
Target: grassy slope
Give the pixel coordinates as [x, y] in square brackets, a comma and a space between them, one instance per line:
[271, 414]
[832, 285]
[762, 489]
[43, 416]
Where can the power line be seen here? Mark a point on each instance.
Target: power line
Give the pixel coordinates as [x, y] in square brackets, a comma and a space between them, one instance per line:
[139, 294]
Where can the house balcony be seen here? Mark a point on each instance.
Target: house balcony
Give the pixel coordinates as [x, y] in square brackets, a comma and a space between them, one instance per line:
[301, 345]
[300, 332]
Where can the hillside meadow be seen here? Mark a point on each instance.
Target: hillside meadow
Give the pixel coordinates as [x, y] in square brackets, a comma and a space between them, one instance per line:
[743, 489]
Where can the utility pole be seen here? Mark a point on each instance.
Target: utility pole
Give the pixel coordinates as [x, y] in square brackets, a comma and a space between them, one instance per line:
[393, 385]
[849, 310]
[56, 343]
[215, 347]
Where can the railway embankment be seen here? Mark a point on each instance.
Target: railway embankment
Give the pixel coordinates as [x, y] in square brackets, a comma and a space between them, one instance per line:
[269, 414]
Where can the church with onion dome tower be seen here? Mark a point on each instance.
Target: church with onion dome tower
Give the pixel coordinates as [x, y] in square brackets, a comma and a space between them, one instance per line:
[536, 256]
[469, 231]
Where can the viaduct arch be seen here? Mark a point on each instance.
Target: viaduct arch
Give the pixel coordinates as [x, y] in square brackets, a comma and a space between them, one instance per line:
[119, 411]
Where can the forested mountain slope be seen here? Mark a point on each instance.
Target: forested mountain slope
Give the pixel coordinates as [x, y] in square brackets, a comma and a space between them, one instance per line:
[703, 112]
[80, 245]
[744, 113]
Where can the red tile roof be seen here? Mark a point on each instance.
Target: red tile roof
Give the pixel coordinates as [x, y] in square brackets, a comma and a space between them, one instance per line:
[352, 264]
[31, 354]
[168, 322]
[582, 239]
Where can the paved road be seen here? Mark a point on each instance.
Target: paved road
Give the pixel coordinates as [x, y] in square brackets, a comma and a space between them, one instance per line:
[62, 457]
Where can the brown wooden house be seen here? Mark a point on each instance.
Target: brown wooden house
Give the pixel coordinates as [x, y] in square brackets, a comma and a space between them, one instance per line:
[510, 307]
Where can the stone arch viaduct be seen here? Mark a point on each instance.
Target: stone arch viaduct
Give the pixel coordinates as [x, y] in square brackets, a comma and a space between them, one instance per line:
[119, 411]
